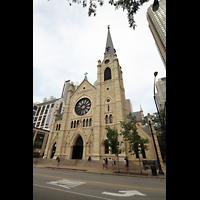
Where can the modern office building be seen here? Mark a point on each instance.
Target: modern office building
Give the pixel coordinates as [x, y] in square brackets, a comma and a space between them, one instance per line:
[157, 25]
[161, 95]
[43, 113]
[40, 136]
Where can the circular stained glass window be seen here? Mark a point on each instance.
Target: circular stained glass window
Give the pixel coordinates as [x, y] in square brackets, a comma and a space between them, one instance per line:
[83, 106]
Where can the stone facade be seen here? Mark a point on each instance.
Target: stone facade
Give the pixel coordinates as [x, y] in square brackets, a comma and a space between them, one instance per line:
[78, 136]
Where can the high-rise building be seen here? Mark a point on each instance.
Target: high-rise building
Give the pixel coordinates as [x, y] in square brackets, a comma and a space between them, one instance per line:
[161, 95]
[43, 113]
[157, 25]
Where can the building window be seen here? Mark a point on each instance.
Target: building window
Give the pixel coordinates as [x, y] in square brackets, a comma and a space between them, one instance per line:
[42, 110]
[84, 123]
[39, 138]
[77, 122]
[107, 74]
[108, 108]
[111, 119]
[87, 122]
[38, 111]
[59, 126]
[90, 122]
[106, 119]
[106, 149]
[72, 124]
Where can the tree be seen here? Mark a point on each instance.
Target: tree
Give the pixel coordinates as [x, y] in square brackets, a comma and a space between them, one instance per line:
[112, 142]
[130, 134]
[131, 6]
[160, 130]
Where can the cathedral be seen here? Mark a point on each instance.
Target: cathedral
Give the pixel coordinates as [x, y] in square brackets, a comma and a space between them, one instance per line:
[77, 133]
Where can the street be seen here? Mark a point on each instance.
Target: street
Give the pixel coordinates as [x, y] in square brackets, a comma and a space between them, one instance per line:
[51, 184]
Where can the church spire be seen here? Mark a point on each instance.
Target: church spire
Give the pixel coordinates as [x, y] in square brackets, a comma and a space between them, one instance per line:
[109, 45]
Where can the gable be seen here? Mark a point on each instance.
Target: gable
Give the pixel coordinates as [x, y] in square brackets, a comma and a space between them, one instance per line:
[84, 87]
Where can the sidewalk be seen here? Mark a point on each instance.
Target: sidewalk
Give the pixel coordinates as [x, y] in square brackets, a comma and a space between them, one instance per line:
[100, 170]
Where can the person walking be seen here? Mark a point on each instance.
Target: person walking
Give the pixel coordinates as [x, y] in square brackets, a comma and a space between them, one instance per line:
[144, 164]
[104, 163]
[113, 164]
[125, 163]
[58, 159]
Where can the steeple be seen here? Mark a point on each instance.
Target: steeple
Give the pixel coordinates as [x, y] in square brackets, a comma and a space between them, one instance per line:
[109, 45]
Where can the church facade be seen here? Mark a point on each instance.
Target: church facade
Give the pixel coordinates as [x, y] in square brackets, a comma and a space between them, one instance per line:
[77, 133]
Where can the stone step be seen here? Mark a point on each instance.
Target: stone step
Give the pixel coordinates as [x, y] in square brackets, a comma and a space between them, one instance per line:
[83, 163]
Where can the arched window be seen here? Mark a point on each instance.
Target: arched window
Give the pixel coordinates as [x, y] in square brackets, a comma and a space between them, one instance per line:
[107, 74]
[87, 122]
[77, 122]
[106, 119]
[56, 127]
[59, 127]
[90, 122]
[111, 119]
[108, 108]
[72, 124]
[84, 123]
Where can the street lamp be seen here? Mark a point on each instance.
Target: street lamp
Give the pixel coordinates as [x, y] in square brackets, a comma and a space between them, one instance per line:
[159, 165]
[155, 5]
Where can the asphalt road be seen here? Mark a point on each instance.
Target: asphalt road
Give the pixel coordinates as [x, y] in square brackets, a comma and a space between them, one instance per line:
[51, 184]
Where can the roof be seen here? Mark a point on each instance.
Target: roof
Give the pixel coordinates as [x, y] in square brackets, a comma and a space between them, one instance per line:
[147, 130]
[47, 102]
[109, 50]
[138, 116]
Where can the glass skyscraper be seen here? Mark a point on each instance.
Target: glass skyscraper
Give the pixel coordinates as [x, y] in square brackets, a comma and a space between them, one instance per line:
[157, 25]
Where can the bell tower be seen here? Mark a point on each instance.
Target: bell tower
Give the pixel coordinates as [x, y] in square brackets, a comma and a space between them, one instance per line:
[110, 96]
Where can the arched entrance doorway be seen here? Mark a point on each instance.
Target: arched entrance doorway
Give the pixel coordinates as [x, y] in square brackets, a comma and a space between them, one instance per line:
[78, 149]
[53, 150]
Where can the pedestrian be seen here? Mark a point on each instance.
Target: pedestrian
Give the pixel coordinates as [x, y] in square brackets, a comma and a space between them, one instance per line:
[113, 164]
[89, 159]
[58, 159]
[104, 163]
[144, 164]
[125, 163]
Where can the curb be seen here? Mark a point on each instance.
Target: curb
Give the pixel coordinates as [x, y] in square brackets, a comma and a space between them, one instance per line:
[102, 173]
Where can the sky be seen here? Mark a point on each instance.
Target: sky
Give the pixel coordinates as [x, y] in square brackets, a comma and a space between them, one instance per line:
[67, 43]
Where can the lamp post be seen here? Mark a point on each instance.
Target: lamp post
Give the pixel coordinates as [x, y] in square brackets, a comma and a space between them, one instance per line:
[155, 5]
[159, 165]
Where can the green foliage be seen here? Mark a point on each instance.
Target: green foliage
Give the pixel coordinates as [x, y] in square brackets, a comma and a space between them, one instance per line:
[130, 134]
[161, 135]
[112, 140]
[131, 6]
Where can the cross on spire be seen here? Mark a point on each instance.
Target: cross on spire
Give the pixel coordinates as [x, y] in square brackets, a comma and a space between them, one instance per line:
[85, 75]
[109, 50]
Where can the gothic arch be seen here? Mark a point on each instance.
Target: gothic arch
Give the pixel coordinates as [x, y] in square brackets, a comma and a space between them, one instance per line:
[107, 74]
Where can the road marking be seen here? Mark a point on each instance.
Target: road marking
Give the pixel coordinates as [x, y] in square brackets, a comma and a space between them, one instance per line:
[66, 183]
[87, 195]
[103, 183]
[127, 193]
